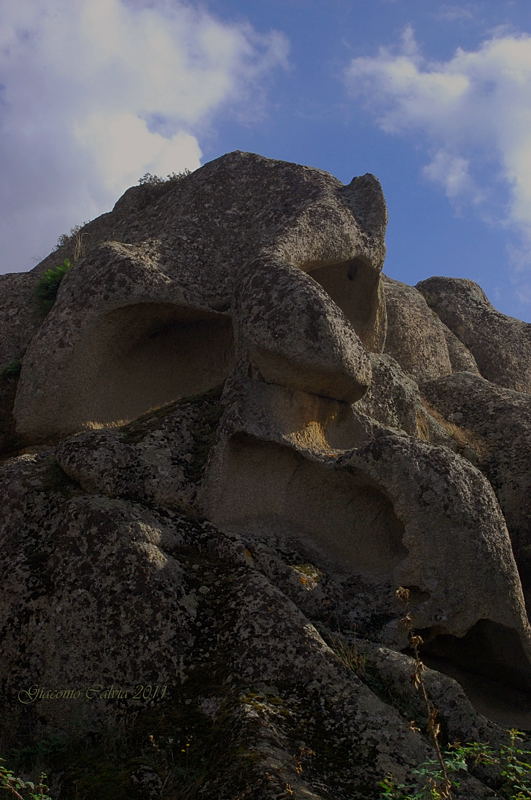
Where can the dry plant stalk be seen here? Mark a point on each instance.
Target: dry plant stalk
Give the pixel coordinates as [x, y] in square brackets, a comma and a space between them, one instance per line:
[79, 247]
[403, 594]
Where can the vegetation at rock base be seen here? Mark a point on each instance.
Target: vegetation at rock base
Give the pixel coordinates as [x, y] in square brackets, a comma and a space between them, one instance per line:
[512, 764]
[22, 789]
[165, 752]
[512, 774]
[438, 779]
[48, 286]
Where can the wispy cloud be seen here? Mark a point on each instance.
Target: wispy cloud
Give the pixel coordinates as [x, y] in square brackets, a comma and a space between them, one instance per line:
[474, 111]
[453, 174]
[96, 92]
[454, 13]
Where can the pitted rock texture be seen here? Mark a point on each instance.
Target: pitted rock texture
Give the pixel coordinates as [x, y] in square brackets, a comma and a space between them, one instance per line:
[234, 442]
[501, 345]
[8, 388]
[496, 425]
[394, 400]
[158, 459]
[323, 357]
[20, 320]
[77, 570]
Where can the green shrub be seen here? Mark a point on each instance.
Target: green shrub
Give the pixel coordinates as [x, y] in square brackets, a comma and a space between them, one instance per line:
[152, 180]
[22, 789]
[511, 762]
[11, 370]
[177, 176]
[437, 779]
[48, 286]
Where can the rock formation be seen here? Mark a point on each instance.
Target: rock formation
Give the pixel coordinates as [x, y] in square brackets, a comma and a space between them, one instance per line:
[225, 447]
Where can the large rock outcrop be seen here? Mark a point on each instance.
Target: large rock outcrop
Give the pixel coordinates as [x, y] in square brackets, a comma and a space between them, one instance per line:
[229, 444]
[147, 318]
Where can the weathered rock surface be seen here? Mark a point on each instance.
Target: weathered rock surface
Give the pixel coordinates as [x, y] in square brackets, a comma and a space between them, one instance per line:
[86, 577]
[233, 444]
[8, 388]
[501, 345]
[495, 424]
[423, 346]
[17, 312]
[404, 490]
[19, 322]
[394, 400]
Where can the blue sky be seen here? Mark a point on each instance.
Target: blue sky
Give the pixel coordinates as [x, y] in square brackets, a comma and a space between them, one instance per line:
[432, 97]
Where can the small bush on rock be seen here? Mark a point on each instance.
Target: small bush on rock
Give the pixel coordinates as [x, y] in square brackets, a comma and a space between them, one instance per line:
[11, 370]
[152, 180]
[66, 238]
[48, 286]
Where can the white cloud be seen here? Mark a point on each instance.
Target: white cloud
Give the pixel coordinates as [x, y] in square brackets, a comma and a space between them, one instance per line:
[453, 174]
[95, 93]
[474, 111]
[452, 13]
[120, 142]
[520, 276]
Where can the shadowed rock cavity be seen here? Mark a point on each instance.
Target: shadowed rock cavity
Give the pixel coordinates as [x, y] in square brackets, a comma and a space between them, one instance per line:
[355, 288]
[146, 355]
[142, 356]
[488, 649]
[270, 490]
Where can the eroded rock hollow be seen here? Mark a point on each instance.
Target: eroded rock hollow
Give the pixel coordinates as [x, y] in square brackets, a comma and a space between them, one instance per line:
[224, 448]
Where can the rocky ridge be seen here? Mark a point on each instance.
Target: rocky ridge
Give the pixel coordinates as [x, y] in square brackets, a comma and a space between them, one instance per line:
[223, 449]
